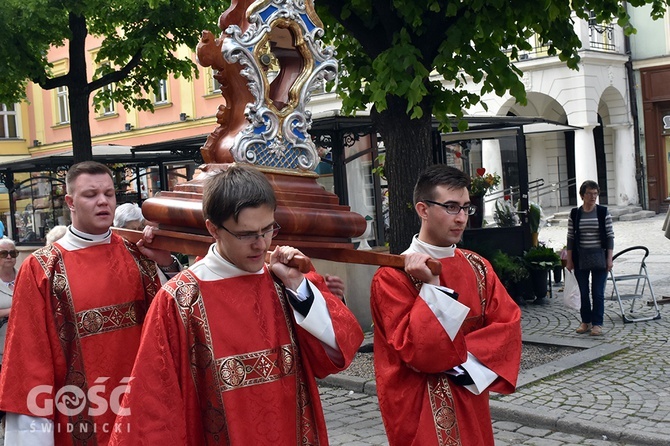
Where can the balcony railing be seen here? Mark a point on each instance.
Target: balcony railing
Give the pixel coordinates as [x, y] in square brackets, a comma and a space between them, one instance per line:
[601, 36]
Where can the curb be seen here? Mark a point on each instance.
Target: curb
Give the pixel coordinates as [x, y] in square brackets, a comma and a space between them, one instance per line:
[573, 425]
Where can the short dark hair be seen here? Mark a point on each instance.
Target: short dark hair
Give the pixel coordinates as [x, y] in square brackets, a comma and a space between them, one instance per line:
[85, 167]
[227, 193]
[588, 184]
[439, 175]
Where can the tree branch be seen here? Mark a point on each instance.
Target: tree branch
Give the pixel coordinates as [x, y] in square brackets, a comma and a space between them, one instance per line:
[118, 75]
[52, 82]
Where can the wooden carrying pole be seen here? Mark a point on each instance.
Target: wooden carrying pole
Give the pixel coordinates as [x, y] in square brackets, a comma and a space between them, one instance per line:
[197, 245]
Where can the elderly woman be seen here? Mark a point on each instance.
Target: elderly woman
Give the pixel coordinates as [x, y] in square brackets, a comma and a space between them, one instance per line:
[55, 233]
[8, 255]
[589, 253]
[129, 216]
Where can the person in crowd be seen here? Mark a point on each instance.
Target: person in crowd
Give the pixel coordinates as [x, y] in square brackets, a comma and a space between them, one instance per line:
[55, 233]
[589, 253]
[8, 255]
[231, 347]
[336, 286]
[76, 321]
[442, 341]
[129, 216]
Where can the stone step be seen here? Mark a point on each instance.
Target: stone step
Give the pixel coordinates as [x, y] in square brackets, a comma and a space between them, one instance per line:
[624, 210]
[561, 215]
[637, 215]
[615, 212]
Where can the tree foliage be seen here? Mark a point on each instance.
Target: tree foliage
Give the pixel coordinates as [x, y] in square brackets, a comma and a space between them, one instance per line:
[139, 48]
[394, 55]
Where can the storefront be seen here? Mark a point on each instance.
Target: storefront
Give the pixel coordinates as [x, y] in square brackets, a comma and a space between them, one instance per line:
[656, 102]
[35, 186]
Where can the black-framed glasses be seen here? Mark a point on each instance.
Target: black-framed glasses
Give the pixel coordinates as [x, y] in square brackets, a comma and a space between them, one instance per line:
[270, 233]
[13, 253]
[453, 208]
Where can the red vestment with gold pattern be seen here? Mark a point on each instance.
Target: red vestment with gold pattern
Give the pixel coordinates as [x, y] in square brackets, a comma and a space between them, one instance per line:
[76, 321]
[224, 362]
[421, 405]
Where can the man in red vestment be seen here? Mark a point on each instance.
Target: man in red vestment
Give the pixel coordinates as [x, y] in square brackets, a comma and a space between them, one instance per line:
[442, 342]
[231, 347]
[76, 322]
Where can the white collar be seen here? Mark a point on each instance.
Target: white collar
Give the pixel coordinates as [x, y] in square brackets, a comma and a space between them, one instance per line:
[75, 239]
[436, 252]
[214, 267]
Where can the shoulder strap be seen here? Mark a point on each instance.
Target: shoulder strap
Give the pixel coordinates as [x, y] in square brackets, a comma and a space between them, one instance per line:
[602, 214]
[479, 267]
[148, 271]
[51, 259]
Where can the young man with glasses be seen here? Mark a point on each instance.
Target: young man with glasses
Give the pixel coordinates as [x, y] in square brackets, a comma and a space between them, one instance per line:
[76, 320]
[231, 346]
[442, 342]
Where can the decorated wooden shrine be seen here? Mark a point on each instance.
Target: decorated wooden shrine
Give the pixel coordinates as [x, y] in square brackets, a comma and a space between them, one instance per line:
[268, 59]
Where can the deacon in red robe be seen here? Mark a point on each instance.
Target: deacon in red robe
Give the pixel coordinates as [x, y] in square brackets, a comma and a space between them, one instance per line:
[442, 342]
[231, 347]
[67, 361]
[226, 359]
[76, 321]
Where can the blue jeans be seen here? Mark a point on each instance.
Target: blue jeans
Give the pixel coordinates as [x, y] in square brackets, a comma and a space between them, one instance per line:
[592, 315]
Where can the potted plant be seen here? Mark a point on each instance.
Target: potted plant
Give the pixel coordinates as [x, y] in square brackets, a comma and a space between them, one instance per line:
[540, 260]
[505, 214]
[512, 272]
[480, 184]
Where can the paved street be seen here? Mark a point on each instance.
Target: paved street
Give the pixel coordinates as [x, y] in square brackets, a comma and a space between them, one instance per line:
[620, 398]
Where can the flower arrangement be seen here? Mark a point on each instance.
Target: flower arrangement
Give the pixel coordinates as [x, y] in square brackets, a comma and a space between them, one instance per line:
[505, 213]
[482, 182]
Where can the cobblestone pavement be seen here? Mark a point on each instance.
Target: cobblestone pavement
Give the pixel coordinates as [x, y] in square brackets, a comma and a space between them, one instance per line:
[620, 399]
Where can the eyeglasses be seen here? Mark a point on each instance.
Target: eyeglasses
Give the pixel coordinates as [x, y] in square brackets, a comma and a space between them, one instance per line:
[13, 253]
[454, 209]
[272, 232]
[592, 194]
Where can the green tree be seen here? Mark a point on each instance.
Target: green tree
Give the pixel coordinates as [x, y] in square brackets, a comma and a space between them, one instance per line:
[140, 39]
[395, 53]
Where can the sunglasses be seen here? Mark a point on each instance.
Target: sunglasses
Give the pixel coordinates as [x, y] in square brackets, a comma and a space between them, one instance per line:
[13, 253]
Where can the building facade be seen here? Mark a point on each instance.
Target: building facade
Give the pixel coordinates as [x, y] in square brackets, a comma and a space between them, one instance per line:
[597, 105]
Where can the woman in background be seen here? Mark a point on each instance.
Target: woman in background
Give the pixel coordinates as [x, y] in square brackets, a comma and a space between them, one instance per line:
[589, 252]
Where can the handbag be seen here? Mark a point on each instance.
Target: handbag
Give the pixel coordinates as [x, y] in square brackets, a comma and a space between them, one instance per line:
[592, 258]
[572, 297]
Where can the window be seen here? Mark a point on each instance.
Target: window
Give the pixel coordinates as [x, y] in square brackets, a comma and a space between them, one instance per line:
[63, 100]
[216, 86]
[8, 127]
[213, 86]
[109, 108]
[161, 92]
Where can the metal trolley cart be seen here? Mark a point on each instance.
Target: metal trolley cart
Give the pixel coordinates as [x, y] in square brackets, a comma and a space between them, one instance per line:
[631, 257]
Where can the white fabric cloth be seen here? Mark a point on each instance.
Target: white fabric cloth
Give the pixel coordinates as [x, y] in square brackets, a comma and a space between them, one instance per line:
[451, 314]
[24, 430]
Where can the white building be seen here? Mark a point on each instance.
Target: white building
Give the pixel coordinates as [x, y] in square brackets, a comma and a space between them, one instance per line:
[596, 99]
